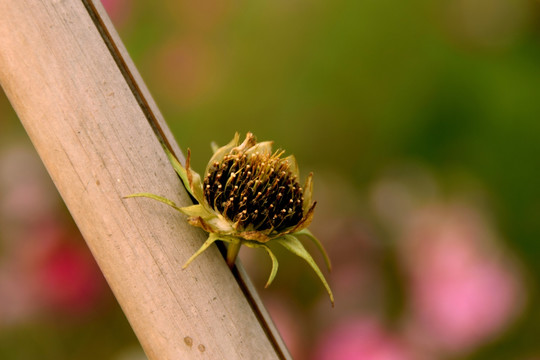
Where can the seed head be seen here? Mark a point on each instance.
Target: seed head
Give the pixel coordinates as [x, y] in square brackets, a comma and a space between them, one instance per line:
[254, 191]
[249, 196]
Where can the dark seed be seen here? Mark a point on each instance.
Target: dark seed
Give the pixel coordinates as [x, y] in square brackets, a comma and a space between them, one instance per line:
[263, 194]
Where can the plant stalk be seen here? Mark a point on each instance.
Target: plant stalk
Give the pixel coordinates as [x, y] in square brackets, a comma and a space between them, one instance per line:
[232, 252]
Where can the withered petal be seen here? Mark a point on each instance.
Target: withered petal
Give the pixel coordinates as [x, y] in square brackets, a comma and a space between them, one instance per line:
[254, 235]
[249, 142]
[199, 222]
[308, 193]
[306, 220]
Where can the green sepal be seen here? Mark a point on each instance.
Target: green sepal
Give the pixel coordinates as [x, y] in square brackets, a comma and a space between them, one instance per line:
[196, 211]
[318, 244]
[195, 187]
[294, 245]
[273, 272]
[155, 197]
[293, 165]
[219, 153]
[264, 147]
[212, 238]
[180, 170]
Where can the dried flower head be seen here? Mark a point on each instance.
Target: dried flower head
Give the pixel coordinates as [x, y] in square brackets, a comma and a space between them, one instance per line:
[250, 196]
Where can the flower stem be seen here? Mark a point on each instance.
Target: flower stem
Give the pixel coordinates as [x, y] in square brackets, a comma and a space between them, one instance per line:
[232, 253]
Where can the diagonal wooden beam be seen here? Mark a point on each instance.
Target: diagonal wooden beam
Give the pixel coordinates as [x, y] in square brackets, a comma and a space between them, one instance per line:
[99, 134]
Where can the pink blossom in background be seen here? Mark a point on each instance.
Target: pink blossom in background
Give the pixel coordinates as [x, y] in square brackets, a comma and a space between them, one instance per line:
[362, 339]
[464, 291]
[45, 267]
[48, 272]
[62, 270]
[69, 280]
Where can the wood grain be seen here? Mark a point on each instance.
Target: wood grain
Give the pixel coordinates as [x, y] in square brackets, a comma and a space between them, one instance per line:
[94, 137]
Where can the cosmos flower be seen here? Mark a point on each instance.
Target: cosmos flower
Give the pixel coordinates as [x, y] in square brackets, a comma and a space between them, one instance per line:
[250, 196]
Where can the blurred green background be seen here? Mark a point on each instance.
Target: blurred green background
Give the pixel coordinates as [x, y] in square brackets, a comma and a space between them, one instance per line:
[399, 108]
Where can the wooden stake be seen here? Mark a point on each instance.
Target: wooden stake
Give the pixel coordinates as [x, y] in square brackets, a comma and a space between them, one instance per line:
[98, 132]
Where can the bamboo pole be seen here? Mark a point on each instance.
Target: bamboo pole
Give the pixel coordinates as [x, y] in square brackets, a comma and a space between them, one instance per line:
[98, 132]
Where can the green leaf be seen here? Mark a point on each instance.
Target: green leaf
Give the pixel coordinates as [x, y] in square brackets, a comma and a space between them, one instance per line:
[273, 272]
[212, 238]
[294, 245]
[155, 197]
[318, 244]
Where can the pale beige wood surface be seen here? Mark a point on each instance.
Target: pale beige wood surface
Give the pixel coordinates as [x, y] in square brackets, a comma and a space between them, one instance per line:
[98, 146]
